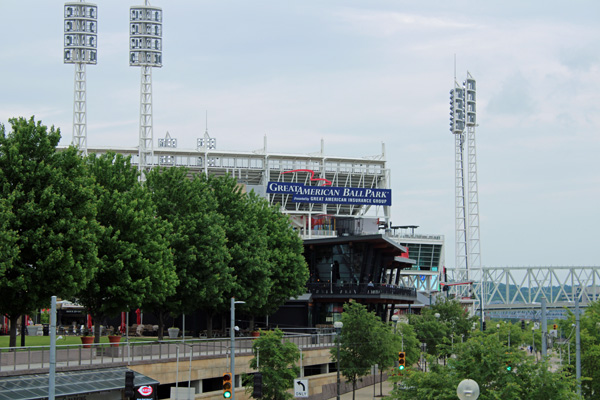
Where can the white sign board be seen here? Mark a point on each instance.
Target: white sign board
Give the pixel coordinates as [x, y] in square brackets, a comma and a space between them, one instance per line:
[301, 388]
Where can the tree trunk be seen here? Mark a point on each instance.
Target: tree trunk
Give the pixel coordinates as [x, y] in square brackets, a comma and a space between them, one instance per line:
[161, 325]
[354, 389]
[13, 331]
[380, 382]
[23, 329]
[209, 325]
[96, 329]
[252, 323]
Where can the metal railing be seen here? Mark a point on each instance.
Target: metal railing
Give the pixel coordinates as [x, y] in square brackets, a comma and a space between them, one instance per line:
[368, 289]
[134, 352]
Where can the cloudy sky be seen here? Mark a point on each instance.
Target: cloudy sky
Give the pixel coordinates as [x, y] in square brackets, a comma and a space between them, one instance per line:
[357, 74]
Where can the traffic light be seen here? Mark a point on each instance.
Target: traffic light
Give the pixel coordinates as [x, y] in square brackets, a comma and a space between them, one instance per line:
[508, 366]
[227, 385]
[401, 360]
[129, 376]
[522, 324]
[484, 325]
[257, 389]
[555, 326]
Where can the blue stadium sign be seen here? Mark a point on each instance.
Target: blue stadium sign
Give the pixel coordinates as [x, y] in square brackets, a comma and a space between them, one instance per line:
[332, 195]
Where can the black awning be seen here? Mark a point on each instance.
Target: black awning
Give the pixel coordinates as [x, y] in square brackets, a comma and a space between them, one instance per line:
[31, 387]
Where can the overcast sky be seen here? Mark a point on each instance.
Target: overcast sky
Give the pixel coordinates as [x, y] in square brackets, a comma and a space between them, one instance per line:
[357, 74]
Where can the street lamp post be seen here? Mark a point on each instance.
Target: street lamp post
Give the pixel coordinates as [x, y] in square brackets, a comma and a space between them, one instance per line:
[338, 330]
[232, 336]
[52, 369]
[533, 341]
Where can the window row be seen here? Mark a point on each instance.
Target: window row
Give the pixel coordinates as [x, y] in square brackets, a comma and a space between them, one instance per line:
[231, 162]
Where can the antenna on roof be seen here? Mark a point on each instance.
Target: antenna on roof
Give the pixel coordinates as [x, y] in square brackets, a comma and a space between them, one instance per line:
[454, 67]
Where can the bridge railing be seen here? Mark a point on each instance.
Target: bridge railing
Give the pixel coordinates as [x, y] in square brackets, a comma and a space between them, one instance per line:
[133, 352]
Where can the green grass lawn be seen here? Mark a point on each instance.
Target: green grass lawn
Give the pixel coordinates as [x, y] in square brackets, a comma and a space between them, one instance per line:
[66, 340]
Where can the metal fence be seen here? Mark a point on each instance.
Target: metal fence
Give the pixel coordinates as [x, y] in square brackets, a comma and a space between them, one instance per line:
[134, 352]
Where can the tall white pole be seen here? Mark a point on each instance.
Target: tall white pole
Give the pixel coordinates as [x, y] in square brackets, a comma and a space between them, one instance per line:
[177, 375]
[577, 346]
[544, 328]
[232, 337]
[52, 371]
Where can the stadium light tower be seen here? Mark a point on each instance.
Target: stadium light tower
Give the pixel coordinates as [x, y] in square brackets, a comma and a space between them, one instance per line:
[457, 127]
[81, 37]
[463, 120]
[145, 51]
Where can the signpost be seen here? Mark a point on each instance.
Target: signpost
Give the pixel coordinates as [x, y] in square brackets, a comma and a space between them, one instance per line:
[301, 388]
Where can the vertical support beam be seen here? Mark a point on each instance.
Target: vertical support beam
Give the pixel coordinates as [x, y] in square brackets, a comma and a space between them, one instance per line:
[80, 110]
[52, 370]
[577, 346]
[460, 207]
[232, 346]
[146, 150]
[473, 252]
[544, 328]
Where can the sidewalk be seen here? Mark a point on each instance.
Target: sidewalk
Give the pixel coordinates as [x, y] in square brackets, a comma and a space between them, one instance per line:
[366, 393]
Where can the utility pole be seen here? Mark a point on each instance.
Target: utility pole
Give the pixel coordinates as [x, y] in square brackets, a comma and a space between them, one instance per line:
[577, 346]
[544, 328]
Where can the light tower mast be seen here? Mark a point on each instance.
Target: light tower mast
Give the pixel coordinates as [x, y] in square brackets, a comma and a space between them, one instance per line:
[474, 252]
[463, 117]
[457, 127]
[81, 29]
[145, 51]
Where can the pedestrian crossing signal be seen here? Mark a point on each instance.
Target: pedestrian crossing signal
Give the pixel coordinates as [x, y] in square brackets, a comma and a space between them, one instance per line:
[401, 360]
[227, 385]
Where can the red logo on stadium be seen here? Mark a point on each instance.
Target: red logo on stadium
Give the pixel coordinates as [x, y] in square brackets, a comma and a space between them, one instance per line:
[326, 182]
[145, 390]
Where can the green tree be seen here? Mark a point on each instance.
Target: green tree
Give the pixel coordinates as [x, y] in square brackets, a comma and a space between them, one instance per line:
[287, 265]
[247, 245]
[136, 264]
[199, 242]
[590, 347]
[358, 342]
[409, 343]
[484, 359]
[441, 325]
[439, 383]
[49, 236]
[277, 360]
[387, 347]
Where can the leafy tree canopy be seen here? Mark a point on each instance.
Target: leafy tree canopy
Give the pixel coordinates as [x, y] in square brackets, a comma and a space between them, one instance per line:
[484, 359]
[49, 234]
[136, 264]
[359, 342]
[277, 360]
[199, 242]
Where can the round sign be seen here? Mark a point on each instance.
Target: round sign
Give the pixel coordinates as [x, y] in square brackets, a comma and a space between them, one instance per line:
[145, 390]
